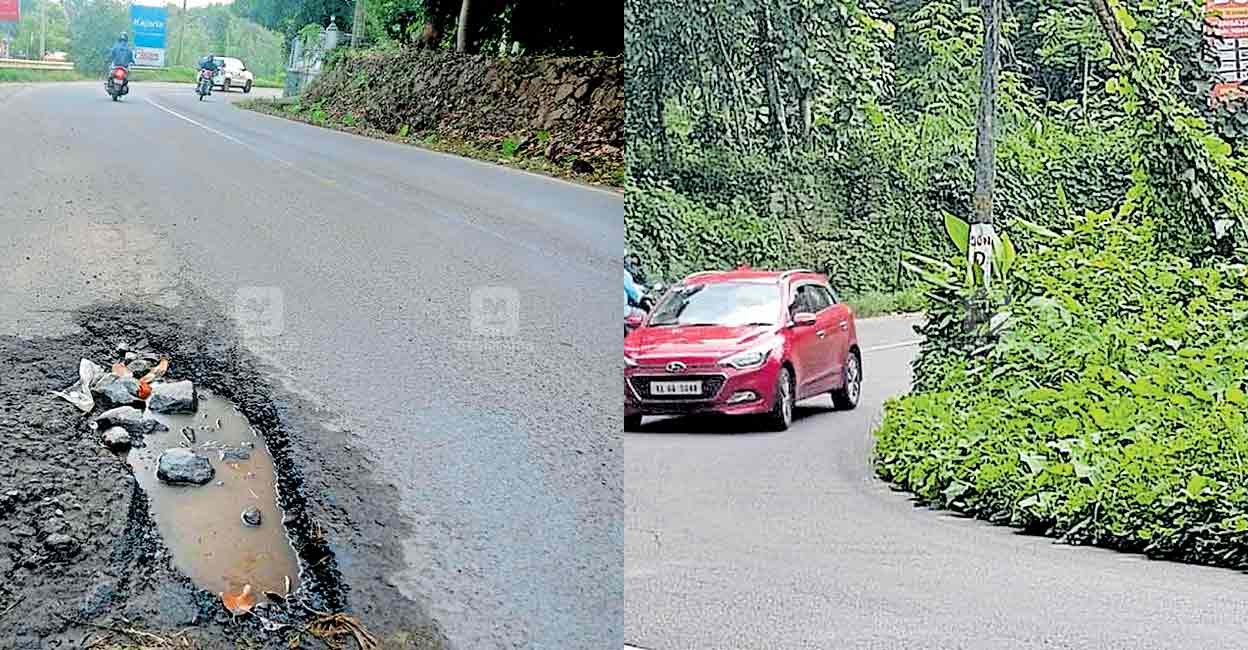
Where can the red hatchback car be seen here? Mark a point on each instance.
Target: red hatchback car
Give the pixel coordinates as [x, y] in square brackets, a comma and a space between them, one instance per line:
[742, 342]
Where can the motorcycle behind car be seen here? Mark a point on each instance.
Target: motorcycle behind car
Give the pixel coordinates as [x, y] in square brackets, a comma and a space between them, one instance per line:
[638, 314]
[204, 88]
[118, 82]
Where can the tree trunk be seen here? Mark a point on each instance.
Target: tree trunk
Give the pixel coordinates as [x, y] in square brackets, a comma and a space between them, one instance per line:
[729, 68]
[779, 123]
[1117, 40]
[461, 39]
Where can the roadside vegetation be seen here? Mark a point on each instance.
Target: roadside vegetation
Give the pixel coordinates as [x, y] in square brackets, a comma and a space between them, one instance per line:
[1104, 400]
[835, 137]
[170, 75]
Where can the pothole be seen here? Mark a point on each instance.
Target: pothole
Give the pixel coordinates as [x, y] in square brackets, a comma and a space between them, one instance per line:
[202, 525]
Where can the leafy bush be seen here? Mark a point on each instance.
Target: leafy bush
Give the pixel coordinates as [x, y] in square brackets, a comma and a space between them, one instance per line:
[1111, 410]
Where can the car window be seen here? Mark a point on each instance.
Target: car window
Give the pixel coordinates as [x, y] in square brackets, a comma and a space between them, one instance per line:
[810, 299]
[825, 294]
[803, 300]
[724, 303]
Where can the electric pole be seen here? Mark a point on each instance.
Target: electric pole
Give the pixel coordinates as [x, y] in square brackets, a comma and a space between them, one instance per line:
[182, 35]
[43, 29]
[982, 235]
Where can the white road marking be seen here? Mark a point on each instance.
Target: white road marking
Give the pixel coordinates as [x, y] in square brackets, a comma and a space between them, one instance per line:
[893, 346]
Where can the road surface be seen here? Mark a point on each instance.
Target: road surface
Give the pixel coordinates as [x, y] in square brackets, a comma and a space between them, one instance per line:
[743, 540]
[506, 451]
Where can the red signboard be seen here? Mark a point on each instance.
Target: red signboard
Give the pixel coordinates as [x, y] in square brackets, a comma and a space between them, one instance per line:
[1228, 18]
[10, 11]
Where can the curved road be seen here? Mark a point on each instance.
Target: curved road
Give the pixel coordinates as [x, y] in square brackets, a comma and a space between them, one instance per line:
[507, 462]
[735, 539]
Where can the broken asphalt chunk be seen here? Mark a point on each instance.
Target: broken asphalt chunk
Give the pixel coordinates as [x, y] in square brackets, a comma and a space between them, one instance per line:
[175, 397]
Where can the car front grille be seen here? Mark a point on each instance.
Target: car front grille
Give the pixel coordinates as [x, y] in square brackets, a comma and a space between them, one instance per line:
[710, 387]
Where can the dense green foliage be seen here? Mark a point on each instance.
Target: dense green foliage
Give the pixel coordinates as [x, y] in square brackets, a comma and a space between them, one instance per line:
[1110, 411]
[567, 27]
[849, 127]
[1104, 403]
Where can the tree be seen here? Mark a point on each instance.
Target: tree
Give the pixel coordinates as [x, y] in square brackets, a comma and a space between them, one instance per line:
[461, 39]
[93, 27]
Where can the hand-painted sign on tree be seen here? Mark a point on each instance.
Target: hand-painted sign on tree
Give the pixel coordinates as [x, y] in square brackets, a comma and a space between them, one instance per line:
[10, 11]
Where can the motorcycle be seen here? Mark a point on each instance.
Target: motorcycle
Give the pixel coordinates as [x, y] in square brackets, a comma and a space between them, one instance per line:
[204, 88]
[118, 82]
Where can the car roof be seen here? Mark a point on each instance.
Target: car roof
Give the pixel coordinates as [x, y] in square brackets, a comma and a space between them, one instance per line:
[746, 274]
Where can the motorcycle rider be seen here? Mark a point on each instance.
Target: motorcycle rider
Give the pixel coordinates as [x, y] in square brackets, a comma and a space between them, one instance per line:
[208, 63]
[632, 293]
[121, 55]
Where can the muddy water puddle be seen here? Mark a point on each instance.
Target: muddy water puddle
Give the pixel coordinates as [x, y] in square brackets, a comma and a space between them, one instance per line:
[203, 525]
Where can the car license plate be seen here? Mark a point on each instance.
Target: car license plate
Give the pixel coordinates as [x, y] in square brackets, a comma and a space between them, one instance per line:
[676, 388]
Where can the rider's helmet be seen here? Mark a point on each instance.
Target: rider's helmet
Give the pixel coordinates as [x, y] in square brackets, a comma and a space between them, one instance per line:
[123, 37]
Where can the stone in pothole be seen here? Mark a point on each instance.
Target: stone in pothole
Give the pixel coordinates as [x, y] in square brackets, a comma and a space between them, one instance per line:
[122, 391]
[181, 465]
[251, 516]
[116, 438]
[233, 454]
[173, 397]
[130, 419]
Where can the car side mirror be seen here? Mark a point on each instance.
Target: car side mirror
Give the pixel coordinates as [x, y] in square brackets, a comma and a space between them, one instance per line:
[634, 319]
[803, 319]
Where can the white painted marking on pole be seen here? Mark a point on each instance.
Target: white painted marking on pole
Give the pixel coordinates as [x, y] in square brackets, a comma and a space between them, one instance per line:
[893, 346]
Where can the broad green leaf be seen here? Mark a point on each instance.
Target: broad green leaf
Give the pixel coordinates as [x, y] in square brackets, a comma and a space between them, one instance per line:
[1197, 484]
[959, 231]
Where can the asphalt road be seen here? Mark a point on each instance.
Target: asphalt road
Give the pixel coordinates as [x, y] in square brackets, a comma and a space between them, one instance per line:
[737, 540]
[502, 442]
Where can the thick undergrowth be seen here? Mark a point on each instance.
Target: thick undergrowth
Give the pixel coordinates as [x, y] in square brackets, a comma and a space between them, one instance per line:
[1111, 411]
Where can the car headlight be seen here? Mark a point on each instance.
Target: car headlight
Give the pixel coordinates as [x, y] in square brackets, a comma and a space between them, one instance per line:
[751, 358]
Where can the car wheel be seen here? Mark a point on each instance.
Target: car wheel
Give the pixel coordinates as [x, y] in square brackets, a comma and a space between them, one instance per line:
[632, 422]
[247, 88]
[781, 415]
[225, 87]
[846, 397]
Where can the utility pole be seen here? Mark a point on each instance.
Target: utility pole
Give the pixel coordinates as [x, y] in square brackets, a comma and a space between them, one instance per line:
[982, 235]
[182, 35]
[43, 29]
[227, 37]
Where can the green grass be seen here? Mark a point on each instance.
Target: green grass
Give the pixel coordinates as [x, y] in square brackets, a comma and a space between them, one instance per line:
[880, 303]
[168, 75]
[35, 76]
[494, 153]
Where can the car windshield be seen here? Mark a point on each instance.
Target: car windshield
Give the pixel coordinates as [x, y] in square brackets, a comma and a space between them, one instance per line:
[721, 303]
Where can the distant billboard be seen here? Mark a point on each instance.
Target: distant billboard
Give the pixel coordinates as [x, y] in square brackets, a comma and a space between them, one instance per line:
[10, 11]
[148, 26]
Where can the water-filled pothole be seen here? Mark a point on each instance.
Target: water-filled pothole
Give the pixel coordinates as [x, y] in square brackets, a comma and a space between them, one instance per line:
[202, 525]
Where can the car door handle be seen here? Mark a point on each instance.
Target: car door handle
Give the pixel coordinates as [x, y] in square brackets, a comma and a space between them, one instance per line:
[821, 333]
[844, 325]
